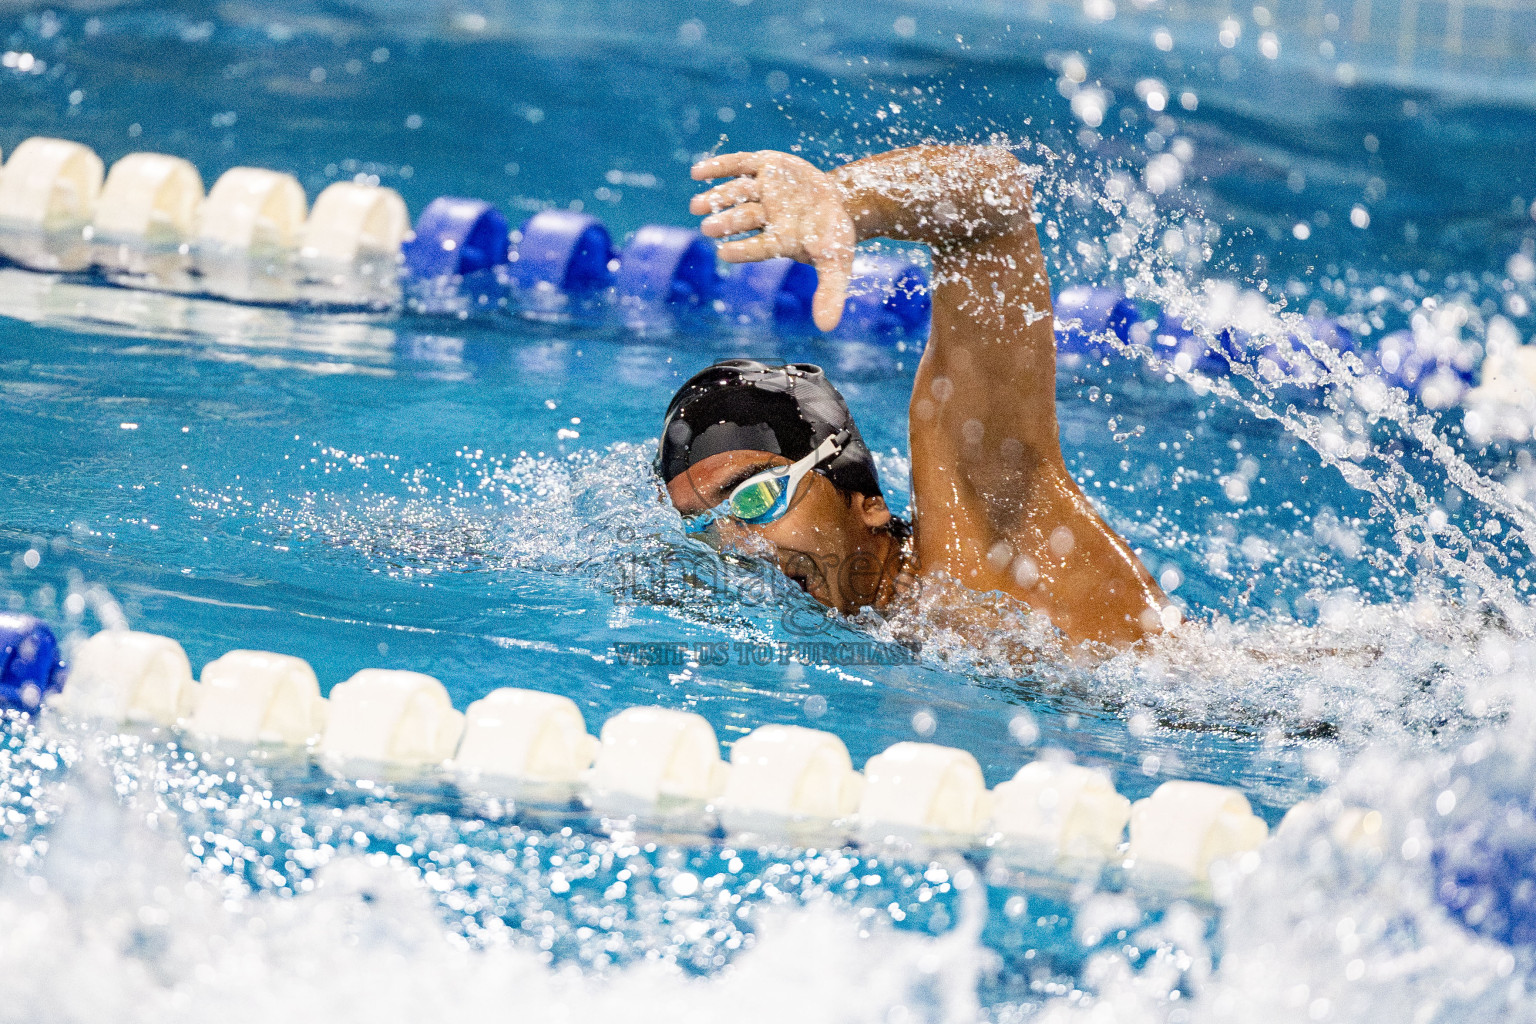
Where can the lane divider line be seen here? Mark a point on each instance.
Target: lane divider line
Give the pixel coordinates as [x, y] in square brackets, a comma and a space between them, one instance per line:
[644, 757]
[463, 250]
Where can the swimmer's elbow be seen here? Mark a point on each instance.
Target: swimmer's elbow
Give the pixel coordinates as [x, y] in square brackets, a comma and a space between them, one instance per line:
[993, 159]
[1000, 183]
[1001, 160]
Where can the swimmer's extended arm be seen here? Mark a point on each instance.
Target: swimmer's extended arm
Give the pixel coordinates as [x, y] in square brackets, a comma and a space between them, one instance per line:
[994, 505]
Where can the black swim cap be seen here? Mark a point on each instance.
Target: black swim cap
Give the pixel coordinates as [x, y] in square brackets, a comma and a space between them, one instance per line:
[786, 409]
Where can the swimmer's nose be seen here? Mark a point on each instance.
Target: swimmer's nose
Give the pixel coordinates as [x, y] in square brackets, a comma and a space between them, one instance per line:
[731, 534]
[716, 534]
[743, 539]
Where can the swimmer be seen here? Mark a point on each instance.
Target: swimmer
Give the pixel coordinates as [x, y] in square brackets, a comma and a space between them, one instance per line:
[760, 453]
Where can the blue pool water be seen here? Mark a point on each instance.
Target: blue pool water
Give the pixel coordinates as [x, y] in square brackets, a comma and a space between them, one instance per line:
[470, 497]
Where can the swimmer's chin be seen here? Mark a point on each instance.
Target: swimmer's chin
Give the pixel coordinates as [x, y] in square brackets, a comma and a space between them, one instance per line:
[816, 589]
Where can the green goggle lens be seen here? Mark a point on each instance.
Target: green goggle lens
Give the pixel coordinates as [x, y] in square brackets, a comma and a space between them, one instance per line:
[755, 501]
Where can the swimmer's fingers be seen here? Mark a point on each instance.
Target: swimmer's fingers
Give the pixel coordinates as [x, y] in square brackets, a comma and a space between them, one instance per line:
[723, 197]
[747, 217]
[833, 275]
[727, 165]
[752, 249]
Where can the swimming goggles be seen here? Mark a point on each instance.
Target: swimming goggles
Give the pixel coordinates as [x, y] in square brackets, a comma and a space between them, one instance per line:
[765, 497]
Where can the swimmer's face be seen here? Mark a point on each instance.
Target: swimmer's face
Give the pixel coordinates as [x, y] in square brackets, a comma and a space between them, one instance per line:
[829, 542]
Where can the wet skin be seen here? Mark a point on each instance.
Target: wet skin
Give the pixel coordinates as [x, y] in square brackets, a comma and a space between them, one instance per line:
[832, 543]
[994, 506]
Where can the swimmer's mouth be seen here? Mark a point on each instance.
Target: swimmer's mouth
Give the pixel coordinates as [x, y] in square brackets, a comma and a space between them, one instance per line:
[812, 585]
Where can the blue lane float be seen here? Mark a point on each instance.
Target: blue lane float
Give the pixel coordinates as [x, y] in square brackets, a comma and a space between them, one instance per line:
[1488, 882]
[667, 265]
[30, 668]
[1084, 314]
[888, 298]
[457, 237]
[563, 250]
[1440, 376]
[1174, 341]
[1087, 316]
[1331, 333]
[777, 291]
[1483, 853]
[1292, 353]
[1289, 359]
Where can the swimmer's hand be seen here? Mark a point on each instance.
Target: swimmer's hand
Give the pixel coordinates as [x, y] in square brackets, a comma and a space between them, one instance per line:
[796, 210]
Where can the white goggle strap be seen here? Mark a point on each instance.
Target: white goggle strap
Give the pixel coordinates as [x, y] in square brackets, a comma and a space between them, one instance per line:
[824, 451]
[796, 470]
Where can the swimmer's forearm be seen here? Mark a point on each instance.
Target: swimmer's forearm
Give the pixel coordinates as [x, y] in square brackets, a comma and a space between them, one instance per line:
[940, 195]
[991, 357]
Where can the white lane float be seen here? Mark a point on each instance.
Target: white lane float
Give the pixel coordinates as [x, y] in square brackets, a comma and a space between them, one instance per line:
[925, 787]
[253, 208]
[792, 772]
[651, 753]
[1508, 380]
[133, 677]
[391, 716]
[526, 735]
[259, 697]
[351, 220]
[150, 197]
[1063, 809]
[50, 184]
[1184, 827]
[1358, 829]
